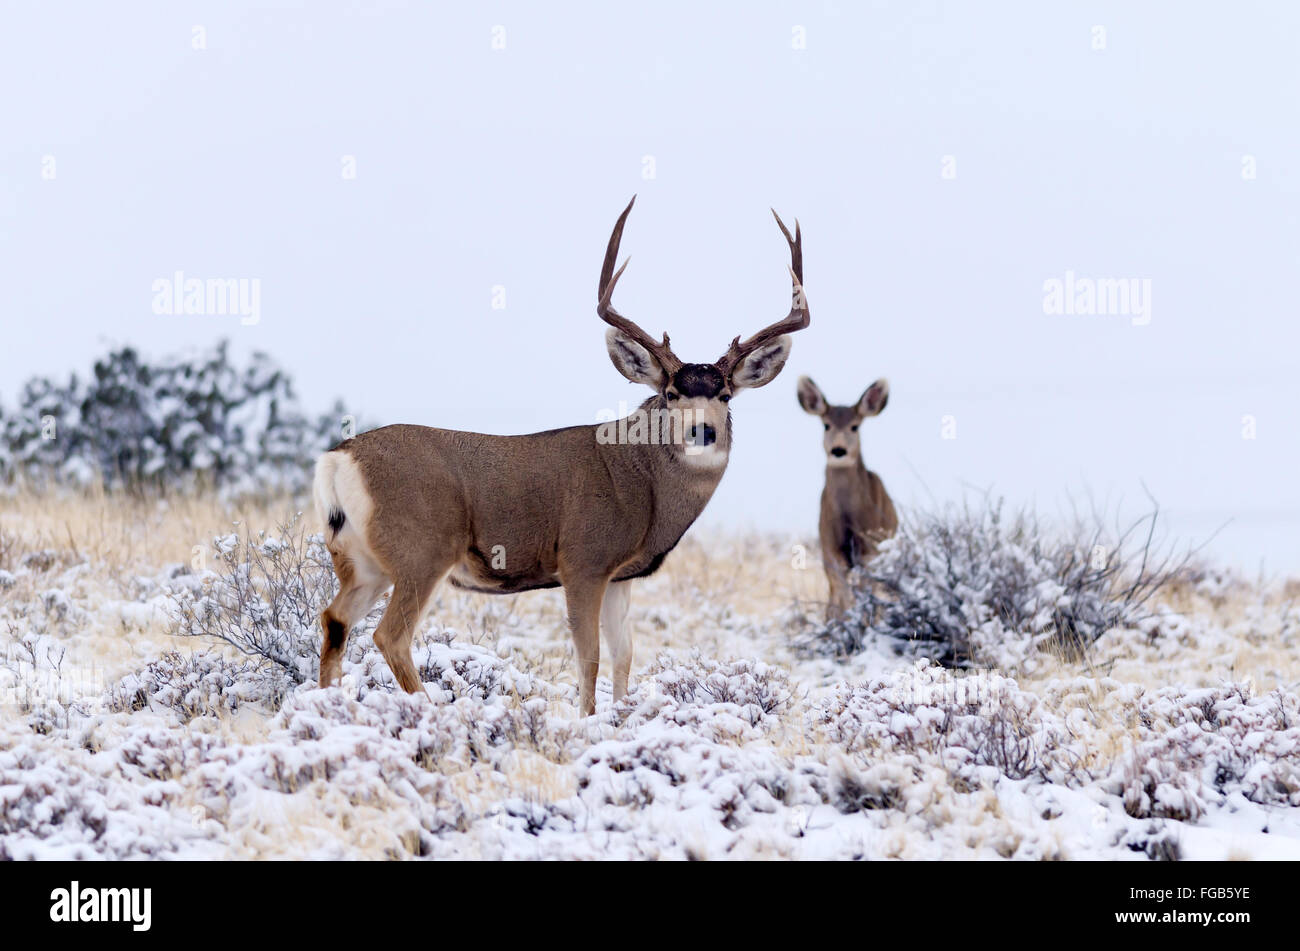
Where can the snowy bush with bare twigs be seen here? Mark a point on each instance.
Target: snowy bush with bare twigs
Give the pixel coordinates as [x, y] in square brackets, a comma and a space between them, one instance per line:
[263, 597]
[978, 587]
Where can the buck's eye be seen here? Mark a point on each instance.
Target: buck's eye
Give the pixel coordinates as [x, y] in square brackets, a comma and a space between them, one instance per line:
[672, 396]
[827, 426]
[725, 398]
[854, 428]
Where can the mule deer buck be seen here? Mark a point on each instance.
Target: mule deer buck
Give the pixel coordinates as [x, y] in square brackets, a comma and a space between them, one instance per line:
[589, 508]
[857, 513]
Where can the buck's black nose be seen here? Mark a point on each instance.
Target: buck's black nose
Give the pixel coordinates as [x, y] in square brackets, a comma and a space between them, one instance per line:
[839, 451]
[702, 434]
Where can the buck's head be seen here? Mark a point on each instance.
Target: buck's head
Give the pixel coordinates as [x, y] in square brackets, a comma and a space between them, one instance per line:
[841, 438]
[695, 397]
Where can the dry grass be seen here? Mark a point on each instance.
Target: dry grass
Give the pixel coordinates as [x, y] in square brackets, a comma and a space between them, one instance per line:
[138, 532]
[724, 577]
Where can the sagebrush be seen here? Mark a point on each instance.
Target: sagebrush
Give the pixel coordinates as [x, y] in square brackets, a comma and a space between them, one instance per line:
[976, 587]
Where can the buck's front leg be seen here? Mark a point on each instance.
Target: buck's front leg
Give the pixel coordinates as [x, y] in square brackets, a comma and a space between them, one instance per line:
[613, 621]
[583, 598]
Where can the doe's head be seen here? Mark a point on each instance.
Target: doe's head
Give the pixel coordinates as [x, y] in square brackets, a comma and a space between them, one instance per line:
[840, 437]
[701, 392]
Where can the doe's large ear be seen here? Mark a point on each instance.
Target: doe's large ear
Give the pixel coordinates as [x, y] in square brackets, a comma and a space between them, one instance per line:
[810, 397]
[761, 366]
[874, 399]
[633, 360]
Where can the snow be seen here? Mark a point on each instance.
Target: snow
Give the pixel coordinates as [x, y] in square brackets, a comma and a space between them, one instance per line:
[1169, 742]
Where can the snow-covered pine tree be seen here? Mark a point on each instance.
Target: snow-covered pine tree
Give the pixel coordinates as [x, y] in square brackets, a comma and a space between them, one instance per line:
[195, 420]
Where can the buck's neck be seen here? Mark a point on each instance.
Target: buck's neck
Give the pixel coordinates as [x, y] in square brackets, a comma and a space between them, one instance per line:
[681, 492]
[683, 482]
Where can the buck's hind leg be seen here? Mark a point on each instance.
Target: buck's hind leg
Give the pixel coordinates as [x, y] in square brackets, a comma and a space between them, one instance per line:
[618, 637]
[360, 585]
[397, 627]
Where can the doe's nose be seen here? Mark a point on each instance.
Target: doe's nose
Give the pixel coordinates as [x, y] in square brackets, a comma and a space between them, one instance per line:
[839, 452]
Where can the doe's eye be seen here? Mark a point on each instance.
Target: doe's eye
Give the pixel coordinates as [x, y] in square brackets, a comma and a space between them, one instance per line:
[826, 426]
[725, 397]
[672, 396]
[854, 428]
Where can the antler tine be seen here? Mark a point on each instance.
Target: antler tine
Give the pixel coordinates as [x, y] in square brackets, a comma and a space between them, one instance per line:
[797, 319]
[611, 252]
[608, 278]
[796, 245]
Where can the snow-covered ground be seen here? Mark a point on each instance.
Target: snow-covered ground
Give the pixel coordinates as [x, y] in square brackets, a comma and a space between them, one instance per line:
[1179, 738]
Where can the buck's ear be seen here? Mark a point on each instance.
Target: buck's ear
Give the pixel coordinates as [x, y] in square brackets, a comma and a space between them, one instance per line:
[874, 400]
[633, 360]
[761, 367]
[810, 397]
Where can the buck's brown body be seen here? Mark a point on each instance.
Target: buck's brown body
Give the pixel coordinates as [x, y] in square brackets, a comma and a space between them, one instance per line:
[516, 508]
[408, 506]
[857, 513]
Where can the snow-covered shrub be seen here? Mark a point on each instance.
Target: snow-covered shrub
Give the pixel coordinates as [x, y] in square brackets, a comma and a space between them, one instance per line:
[747, 689]
[1216, 583]
[979, 728]
[1197, 747]
[264, 597]
[1188, 753]
[733, 785]
[39, 801]
[451, 671]
[975, 588]
[196, 420]
[878, 787]
[34, 683]
[199, 684]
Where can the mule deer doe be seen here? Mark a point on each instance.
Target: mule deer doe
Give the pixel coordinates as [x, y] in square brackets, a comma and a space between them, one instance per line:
[857, 513]
[589, 508]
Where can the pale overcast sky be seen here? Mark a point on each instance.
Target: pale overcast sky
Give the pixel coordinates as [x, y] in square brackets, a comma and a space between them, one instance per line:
[945, 159]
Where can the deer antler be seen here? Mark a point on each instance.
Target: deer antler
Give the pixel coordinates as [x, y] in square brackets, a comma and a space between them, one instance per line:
[661, 352]
[798, 317]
